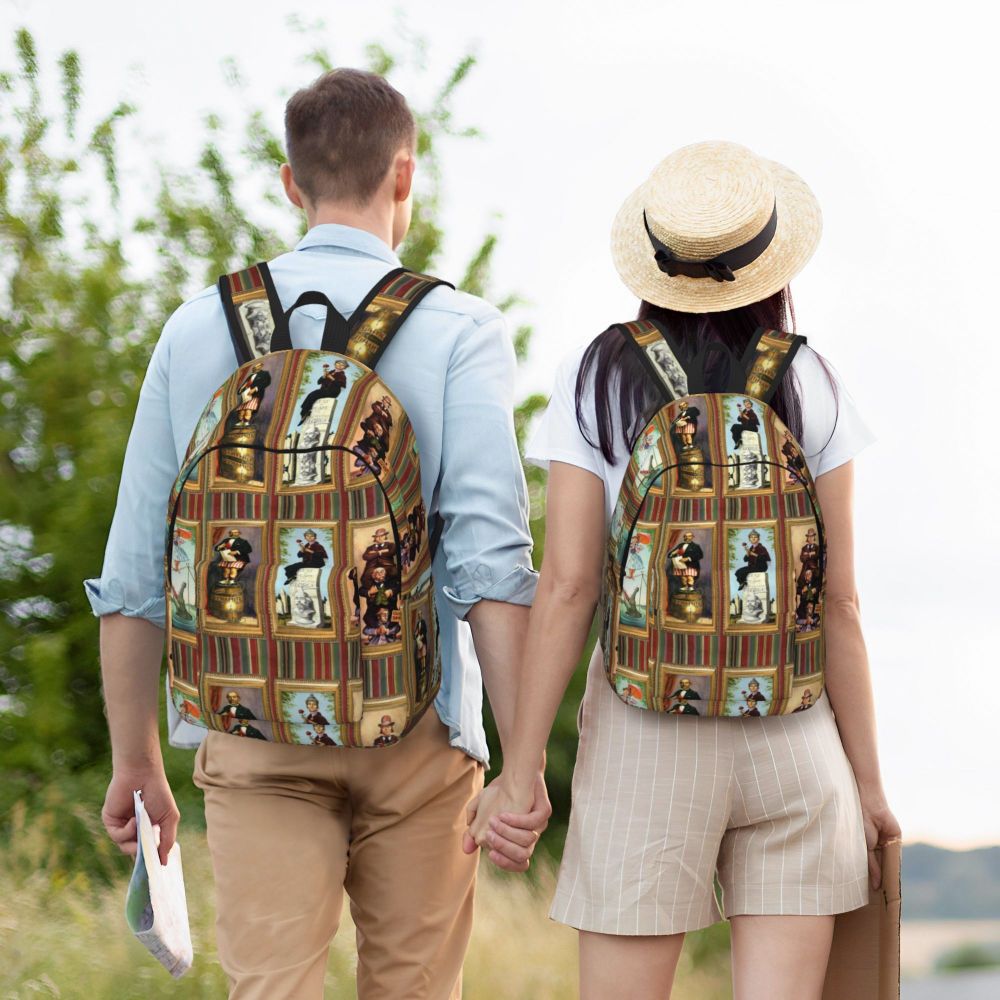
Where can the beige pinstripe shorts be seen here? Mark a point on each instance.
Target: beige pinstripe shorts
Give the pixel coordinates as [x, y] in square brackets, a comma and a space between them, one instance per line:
[664, 803]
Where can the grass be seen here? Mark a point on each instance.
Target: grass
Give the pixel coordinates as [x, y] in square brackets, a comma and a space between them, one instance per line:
[63, 934]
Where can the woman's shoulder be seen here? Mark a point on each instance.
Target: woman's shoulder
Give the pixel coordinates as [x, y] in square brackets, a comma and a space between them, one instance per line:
[833, 427]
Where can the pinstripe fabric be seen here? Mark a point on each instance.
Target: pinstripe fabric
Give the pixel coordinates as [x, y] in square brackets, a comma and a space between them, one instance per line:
[770, 806]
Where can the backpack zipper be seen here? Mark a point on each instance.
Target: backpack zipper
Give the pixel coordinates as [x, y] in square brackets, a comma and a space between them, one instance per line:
[721, 465]
[289, 451]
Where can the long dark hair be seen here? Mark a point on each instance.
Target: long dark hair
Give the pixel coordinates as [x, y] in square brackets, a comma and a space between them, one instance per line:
[624, 389]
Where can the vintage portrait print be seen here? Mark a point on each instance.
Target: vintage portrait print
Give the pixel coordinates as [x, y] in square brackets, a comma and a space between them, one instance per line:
[240, 459]
[634, 601]
[236, 705]
[186, 700]
[672, 374]
[804, 693]
[690, 442]
[255, 318]
[375, 435]
[648, 455]
[383, 722]
[423, 642]
[805, 583]
[413, 541]
[204, 432]
[749, 693]
[746, 445]
[690, 594]
[233, 553]
[304, 595]
[794, 468]
[310, 713]
[209, 420]
[753, 592]
[183, 579]
[633, 690]
[375, 581]
[687, 692]
[324, 389]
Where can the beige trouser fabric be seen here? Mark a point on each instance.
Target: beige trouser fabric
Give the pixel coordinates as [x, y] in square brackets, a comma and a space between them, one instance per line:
[664, 803]
[290, 827]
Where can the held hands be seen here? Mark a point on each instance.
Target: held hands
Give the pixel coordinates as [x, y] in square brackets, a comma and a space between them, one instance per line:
[118, 814]
[507, 823]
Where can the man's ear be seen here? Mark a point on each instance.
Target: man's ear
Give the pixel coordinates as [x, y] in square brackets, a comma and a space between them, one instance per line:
[292, 191]
[405, 164]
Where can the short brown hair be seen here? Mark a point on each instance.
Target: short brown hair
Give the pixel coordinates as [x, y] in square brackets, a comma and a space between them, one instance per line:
[341, 133]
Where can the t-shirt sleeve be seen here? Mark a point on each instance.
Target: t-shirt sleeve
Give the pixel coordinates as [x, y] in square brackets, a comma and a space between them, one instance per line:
[556, 436]
[833, 430]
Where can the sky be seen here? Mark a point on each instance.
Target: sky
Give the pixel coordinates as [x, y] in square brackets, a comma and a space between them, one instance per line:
[885, 109]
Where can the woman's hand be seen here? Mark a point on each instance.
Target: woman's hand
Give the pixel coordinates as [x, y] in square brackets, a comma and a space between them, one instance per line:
[508, 822]
[880, 827]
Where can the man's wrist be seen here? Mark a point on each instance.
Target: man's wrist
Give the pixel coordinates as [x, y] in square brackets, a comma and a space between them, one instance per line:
[137, 761]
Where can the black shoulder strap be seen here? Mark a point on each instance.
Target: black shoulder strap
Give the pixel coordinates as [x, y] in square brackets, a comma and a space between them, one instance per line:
[383, 310]
[648, 341]
[253, 311]
[766, 360]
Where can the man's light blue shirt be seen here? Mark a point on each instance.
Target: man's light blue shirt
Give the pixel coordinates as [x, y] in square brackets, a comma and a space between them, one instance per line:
[452, 367]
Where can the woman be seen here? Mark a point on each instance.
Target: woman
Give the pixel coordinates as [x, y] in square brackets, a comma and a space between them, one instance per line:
[784, 811]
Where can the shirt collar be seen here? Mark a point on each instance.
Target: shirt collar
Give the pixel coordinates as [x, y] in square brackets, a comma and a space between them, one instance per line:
[332, 234]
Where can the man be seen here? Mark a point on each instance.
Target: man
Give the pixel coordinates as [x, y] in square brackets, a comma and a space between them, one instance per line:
[251, 392]
[396, 814]
[233, 711]
[312, 555]
[756, 557]
[746, 420]
[806, 702]
[234, 554]
[684, 694]
[331, 382]
[386, 737]
[685, 558]
[382, 631]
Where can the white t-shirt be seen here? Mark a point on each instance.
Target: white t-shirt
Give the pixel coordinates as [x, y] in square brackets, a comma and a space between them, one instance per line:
[833, 431]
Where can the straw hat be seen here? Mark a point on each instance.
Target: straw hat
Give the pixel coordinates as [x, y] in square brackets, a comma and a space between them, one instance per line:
[714, 227]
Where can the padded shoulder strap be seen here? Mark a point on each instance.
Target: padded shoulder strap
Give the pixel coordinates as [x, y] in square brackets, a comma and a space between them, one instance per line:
[257, 323]
[383, 310]
[646, 338]
[767, 358]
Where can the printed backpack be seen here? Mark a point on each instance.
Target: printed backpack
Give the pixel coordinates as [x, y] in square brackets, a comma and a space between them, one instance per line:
[300, 602]
[712, 599]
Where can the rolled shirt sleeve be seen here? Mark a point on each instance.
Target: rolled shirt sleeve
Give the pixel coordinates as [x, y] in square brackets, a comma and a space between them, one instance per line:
[131, 580]
[482, 495]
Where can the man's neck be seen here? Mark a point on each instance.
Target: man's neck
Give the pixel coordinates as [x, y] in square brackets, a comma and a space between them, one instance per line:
[374, 219]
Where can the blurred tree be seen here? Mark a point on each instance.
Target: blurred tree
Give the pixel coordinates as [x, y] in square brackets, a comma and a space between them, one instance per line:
[78, 319]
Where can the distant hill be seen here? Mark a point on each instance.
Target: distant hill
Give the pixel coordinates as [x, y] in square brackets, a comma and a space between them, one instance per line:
[939, 884]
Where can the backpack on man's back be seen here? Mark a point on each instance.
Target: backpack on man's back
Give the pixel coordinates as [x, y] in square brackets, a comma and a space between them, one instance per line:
[300, 601]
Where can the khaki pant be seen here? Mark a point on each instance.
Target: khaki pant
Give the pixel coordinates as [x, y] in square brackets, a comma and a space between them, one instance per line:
[290, 828]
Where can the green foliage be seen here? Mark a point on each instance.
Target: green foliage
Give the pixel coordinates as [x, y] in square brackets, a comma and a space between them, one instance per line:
[78, 320]
[969, 956]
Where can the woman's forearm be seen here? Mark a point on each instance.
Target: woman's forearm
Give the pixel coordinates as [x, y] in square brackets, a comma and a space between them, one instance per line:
[848, 684]
[557, 632]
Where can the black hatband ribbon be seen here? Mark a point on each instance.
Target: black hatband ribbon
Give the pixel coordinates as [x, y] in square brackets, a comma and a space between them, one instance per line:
[721, 267]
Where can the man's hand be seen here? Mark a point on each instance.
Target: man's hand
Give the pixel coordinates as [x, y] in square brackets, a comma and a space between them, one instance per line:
[508, 824]
[118, 814]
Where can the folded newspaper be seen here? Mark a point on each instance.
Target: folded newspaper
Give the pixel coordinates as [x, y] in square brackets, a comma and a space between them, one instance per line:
[155, 905]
